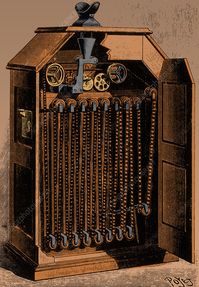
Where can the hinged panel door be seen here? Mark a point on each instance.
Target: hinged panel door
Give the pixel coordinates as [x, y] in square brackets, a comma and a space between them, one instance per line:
[175, 162]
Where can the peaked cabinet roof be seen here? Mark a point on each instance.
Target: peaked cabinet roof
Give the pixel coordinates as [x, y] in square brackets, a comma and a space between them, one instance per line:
[39, 50]
[48, 40]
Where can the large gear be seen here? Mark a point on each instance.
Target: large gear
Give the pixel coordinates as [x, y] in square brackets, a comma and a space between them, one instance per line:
[55, 75]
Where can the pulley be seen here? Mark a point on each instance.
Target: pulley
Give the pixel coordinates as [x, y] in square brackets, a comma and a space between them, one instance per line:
[87, 83]
[117, 73]
[55, 74]
[101, 82]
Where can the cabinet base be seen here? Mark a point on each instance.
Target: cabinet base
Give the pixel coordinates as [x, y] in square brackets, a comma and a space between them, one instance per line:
[109, 260]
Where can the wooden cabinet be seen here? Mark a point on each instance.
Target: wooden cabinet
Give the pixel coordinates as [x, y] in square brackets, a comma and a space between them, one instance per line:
[101, 179]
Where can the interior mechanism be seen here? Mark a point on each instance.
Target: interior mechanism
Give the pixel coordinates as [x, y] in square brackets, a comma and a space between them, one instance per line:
[91, 165]
[86, 46]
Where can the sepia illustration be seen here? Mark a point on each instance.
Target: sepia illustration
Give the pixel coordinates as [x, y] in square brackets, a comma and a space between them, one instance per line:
[102, 151]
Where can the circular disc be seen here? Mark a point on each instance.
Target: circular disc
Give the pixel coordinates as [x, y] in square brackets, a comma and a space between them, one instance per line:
[88, 83]
[117, 73]
[101, 82]
[55, 74]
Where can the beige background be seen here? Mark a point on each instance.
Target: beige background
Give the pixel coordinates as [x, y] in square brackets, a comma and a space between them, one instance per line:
[175, 24]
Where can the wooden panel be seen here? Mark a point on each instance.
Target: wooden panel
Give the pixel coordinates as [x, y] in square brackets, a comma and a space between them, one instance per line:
[174, 113]
[23, 242]
[24, 199]
[21, 155]
[152, 57]
[123, 47]
[94, 95]
[39, 50]
[176, 154]
[66, 56]
[24, 79]
[175, 164]
[174, 196]
[49, 98]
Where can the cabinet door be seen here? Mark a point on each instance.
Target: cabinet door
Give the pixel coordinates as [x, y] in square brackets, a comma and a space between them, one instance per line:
[175, 159]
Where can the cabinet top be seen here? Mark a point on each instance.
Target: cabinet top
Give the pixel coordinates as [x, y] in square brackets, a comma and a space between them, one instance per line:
[98, 29]
[49, 40]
